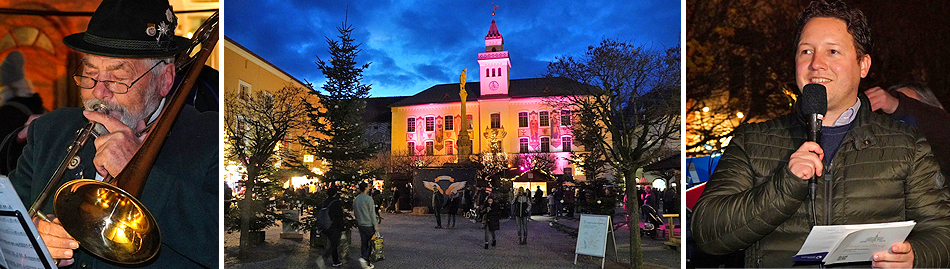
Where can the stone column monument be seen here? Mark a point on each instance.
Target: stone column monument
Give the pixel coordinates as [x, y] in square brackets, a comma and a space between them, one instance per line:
[464, 141]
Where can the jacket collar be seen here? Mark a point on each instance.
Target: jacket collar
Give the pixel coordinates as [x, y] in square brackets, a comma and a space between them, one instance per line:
[860, 134]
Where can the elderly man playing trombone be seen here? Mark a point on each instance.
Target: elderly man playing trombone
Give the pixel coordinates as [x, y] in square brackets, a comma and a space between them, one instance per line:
[128, 68]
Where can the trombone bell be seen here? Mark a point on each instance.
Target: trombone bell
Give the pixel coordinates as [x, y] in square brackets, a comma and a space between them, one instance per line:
[108, 221]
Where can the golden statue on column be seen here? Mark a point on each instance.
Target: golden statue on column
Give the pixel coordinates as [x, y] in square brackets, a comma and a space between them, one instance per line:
[464, 142]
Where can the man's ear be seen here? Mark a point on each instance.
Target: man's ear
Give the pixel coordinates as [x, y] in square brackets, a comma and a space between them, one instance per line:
[167, 79]
[865, 63]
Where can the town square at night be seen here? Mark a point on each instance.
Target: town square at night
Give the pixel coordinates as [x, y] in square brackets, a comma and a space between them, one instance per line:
[497, 135]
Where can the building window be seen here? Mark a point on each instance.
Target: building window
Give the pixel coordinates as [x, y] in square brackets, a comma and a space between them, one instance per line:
[411, 125]
[545, 144]
[495, 120]
[244, 90]
[450, 147]
[523, 145]
[429, 148]
[449, 123]
[430, 124]
[412, 148]
[568, 171]
[469, 119]
[565, 117]
[566, 143]
[499, 71]
[544, 118]
[522, 119]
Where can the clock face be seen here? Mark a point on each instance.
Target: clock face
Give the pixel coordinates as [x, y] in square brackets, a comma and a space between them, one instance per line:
[493, 85]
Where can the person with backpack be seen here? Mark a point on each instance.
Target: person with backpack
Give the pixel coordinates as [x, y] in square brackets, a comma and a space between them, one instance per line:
[333, 210]
[19, 105]
[522, 206]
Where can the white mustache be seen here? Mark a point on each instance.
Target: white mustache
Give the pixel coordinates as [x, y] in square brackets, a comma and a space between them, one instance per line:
[126, 118]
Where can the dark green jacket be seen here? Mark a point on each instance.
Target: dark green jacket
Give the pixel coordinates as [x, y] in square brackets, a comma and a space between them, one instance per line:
[181, 192]
[883, 172]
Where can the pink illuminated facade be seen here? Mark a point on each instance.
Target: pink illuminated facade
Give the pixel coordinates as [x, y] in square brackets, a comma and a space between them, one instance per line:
[505, 115]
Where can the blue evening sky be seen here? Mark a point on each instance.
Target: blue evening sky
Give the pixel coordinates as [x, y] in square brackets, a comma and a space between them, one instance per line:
[414, 45]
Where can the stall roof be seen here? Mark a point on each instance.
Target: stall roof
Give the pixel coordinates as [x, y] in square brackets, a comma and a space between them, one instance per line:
[533, 175]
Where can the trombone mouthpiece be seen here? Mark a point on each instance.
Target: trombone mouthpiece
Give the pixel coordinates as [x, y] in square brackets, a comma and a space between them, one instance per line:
[101, 108]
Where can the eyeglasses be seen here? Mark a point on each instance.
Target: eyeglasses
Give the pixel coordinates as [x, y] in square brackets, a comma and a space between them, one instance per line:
[113, 86]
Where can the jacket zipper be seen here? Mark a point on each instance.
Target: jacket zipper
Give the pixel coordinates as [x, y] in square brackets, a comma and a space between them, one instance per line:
[828, 193]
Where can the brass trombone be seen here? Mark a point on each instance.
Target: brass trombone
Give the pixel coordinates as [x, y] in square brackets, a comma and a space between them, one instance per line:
[108, 220]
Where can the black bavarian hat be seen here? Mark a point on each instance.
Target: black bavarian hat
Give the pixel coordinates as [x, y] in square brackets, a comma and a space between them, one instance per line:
[130, 29]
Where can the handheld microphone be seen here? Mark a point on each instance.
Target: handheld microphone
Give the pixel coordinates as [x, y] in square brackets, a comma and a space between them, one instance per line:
[814, 104]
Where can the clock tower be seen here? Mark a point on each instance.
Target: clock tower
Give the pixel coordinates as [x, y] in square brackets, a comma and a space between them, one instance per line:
[494, 63]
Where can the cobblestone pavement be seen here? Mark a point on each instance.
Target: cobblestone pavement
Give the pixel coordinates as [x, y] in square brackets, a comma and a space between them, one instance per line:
[412, 242]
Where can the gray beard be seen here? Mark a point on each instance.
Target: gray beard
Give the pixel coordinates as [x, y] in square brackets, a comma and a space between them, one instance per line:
[152, 100]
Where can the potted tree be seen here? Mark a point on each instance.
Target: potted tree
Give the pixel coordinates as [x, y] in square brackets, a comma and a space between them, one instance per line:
[264, 213]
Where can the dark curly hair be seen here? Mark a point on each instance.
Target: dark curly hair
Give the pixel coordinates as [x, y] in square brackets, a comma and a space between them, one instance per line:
[852, 17]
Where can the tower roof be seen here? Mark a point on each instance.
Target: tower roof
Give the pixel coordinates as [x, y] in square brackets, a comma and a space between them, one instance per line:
[493, 31]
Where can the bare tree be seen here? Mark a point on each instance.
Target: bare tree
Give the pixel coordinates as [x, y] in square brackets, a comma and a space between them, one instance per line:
[634, 108]
[254, 126]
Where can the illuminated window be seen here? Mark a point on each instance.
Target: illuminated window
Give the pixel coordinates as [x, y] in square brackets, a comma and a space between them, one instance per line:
[244, 90]
[470, 121]
[545, 144]
[544, 118]
[430, 124]
[411, 125]
[412, 148]
[522, 119]
[449, 123]
[495, 120]
[450, 147]
[565, 117]
[523, 145]
[430, 149]
[566, 144]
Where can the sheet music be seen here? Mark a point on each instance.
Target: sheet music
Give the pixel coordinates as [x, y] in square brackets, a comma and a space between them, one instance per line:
[20, 243]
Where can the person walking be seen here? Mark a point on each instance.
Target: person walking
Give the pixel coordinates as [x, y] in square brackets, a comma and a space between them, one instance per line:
[550, 198]
[438, 201]
[338, 222]
[522, 206]
[538, 198]
[452, 207]
[491, 214]
[394, 202]
[365, 212]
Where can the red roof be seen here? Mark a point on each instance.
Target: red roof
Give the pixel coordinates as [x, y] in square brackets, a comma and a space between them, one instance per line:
[493, 31]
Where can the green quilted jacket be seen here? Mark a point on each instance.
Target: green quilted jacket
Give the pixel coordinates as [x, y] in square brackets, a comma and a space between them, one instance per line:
[884, 171]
